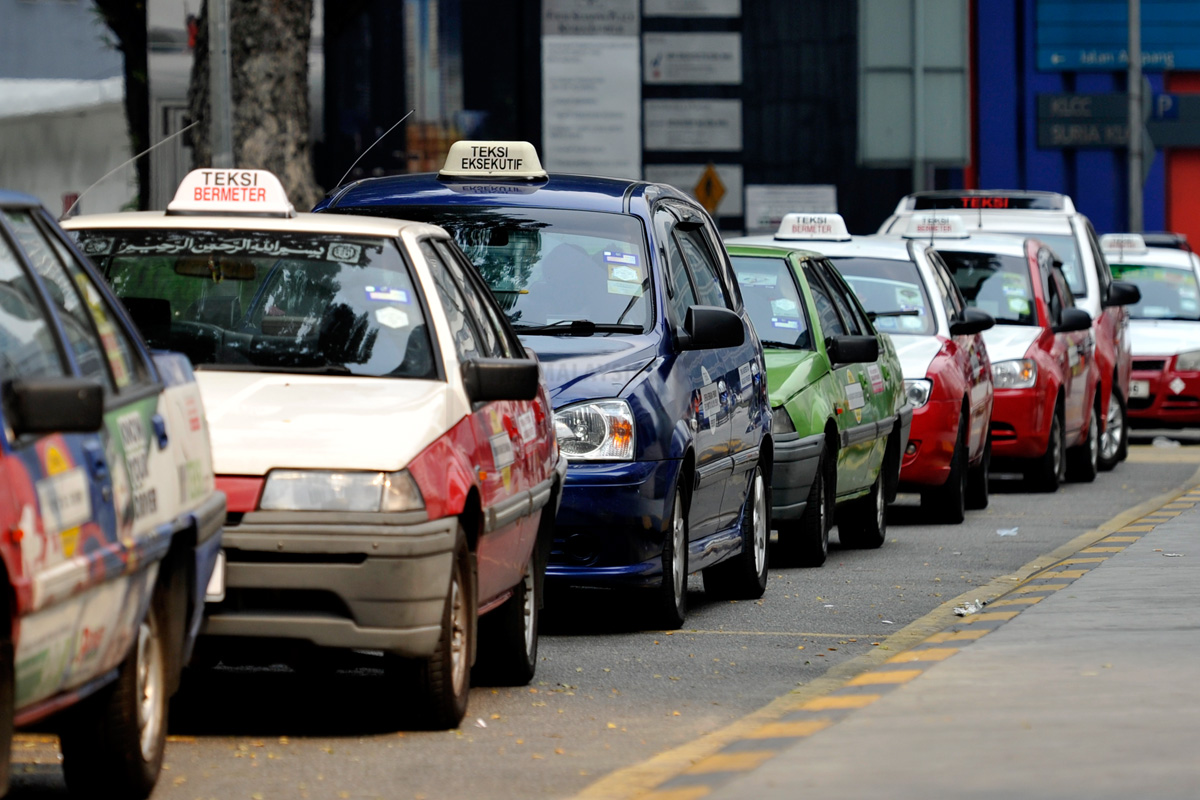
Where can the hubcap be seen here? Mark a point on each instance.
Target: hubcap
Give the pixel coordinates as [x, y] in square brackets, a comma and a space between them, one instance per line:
[1110, 442]
[458, 633]
[678, 550]
[527, 609]
[150, 693]
[1093, 437]
[879, 504]
[760, 524]
[1056, 443]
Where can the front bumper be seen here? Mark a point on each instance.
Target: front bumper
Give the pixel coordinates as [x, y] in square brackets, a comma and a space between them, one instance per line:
[610, 527]
[932, 441]
[796, 461]
[1021, 420]
[370, 581]
[1170, 398]
[207, 519]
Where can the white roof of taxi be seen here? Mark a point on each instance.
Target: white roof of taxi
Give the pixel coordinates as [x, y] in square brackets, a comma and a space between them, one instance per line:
[1002, 244]
[1031, 222]
[1153, 257]
[302, 222]
[866, 246]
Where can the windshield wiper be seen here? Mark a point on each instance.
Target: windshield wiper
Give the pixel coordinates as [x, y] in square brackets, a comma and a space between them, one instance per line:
[908, 312]
[783, 345]
[577, 327]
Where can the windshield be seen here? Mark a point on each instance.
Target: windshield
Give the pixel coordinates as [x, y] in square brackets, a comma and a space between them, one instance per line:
[892, 290]
[293, 302]
[1167, 292]
[550, 266]
[773, 301]
[999, 285]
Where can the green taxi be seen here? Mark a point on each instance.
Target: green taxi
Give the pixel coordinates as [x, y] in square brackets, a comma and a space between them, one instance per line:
[840, 416]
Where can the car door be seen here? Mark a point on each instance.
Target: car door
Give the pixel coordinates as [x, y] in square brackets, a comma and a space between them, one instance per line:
[699, 374]
[1080, 352]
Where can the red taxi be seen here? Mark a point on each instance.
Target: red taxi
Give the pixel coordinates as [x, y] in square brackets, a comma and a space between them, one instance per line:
[1046, 418]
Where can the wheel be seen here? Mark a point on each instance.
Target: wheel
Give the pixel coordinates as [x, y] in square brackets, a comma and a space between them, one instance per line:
[671, 595]
[805, 542]
[744, 576]
[434, 689]
[113, 741]
[948, 502]
[1045, 474]
[1114, 444]
[977, 479]
[1082, 459]
[863, 522]
[508, 636]
[7, 700]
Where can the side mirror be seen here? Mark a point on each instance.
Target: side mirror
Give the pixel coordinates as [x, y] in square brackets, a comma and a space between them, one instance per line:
[1073, 319]
[486, 379]
[971, 322]
[711, 327]
[1122, 293]
[54, 405]
[851, 349]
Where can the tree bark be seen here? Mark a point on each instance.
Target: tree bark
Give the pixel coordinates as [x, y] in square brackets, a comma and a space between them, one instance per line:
[127, 21]
[268, 52]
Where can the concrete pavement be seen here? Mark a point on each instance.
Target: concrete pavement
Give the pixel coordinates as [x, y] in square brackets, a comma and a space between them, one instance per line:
[1083, 682]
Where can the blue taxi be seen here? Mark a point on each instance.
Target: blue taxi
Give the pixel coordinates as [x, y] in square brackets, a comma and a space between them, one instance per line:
[656, 375]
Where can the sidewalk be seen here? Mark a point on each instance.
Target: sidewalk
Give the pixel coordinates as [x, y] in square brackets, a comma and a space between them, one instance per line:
[1091, 691]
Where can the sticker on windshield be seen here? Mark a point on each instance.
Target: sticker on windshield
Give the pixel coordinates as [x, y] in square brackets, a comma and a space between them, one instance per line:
[627, 274]
[1018, 305]
[347, 253]
[384, 294]
[390, 317]
[788, 324]
[97, 246]
[613, 257]
[876, 378]
[625, 288]
[757, 279]
[784, 307]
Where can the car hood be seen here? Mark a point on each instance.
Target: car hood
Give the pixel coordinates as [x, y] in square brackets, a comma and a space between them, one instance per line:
[789, 371]
[1163, 337]
[916, 353]
[587, 367]
[1009, 342]
[261, 420]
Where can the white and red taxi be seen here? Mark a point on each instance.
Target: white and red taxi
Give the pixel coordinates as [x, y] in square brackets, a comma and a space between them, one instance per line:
[909, 295]
[1164, 329]
[384, 440]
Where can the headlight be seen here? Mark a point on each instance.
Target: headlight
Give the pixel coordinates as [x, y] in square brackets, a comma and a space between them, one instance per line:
[1017, 374]
[1188, 362]
[781, 420]
[918, 391]
[594, 431]
[310, 490]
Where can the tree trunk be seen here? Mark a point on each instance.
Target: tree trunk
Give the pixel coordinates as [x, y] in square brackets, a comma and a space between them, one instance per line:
[127, 21]
[268, 52]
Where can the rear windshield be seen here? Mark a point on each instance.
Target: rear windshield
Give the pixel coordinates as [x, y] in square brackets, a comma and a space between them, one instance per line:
[892, 291]
[292, 302]
[773, 301]
[1167, 292]
[999, 285]
[549, 266]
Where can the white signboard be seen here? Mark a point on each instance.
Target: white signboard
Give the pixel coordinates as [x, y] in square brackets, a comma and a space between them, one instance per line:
[766, 205]
[686, 177]
[693, 8]
[590, 121]
[692, 58]
[693, 124]
[590, 18]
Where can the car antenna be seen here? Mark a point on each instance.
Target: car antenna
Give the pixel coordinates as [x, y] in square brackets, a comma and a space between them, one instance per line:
[124, 164]
[979, 218]
[377, 141]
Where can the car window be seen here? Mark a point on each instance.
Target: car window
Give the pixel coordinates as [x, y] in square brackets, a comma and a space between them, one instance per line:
[827, 313]
[704, 272]
[481, 302]
[27, 344]
[463, 328]
[1103, 270]
[680, 293]
[855, 325]
[489, 342]
[1066, 249]
[1167, 292]
[997, 284]
[950, 294]
[893, 290]
[772, 299]
[270, 300]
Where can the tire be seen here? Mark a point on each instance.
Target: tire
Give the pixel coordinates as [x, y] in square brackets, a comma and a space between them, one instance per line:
[1114, 444]
[863, 522]
[805, 542]
[508, 636]
[7, 700]
[434, 690]
[744, 577]
[113, 741]
[948, 503]
[1082, 463]
[670, 602]
[977, 480]
[1047, 473]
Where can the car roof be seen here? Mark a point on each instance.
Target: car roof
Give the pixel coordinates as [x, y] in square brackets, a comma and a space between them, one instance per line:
[1154, 257]
[1001, 221]
[886, 247]
[309, 223]
[1049, 201]
[11, 198]
[559, 190]
[768, 251]
[1001, 244]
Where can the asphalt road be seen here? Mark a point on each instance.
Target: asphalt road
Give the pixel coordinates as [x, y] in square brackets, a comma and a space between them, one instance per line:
[609, 695]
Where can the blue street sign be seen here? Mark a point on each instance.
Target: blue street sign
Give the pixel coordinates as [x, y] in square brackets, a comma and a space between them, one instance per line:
[1093, 35]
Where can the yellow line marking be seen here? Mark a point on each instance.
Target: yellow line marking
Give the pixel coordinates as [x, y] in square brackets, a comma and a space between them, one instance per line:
[991, 616]
[34, 738]
[731, 762]
[956, 636]
[1018, 601]
[686, 793]
[1178, 506]
[783, 730]
[832, 702]
[1067, 573]
[874, 678]
[1095, 560]
[1178, 455]
[1117, 539]
[1137, 529]
[1102, 549]
[1045, 587]
[1164, 514]
[867, 636]
[182, 739]
[928, 654]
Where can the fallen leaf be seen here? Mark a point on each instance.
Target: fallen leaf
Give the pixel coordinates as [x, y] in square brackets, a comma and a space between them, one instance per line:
[612, 724]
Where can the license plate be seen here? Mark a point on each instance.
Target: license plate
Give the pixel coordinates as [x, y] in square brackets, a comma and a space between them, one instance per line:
[1139, 388]
[215, 592]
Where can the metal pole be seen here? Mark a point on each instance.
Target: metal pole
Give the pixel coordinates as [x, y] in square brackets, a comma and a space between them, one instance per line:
[1135, 116]
[220, 95]
[918, 108]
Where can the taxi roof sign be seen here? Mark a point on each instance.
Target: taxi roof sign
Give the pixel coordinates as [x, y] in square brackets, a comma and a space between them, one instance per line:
[483, 159]
[243, 192]
[940, 226]
[813, 227]
[1123, 243]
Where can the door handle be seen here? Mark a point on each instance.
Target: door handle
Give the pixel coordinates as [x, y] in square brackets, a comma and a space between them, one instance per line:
[160, 431]
[97, 466]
